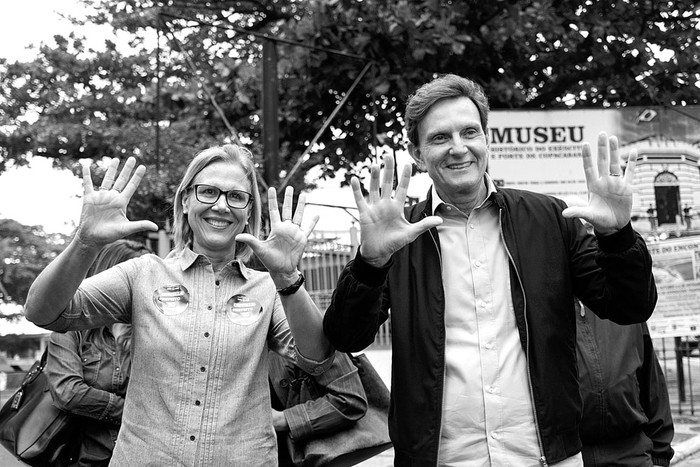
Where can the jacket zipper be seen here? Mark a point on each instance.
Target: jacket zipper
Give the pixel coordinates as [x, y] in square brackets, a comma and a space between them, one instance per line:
[444, 369]
[543, 459]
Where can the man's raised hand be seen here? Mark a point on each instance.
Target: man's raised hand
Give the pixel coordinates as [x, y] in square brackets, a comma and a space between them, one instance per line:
[609, 206]
[383, 225]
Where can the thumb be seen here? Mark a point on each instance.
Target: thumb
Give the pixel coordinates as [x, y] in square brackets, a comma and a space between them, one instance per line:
[424, 225]
[575, 211]
[139, 226]
[251, 240]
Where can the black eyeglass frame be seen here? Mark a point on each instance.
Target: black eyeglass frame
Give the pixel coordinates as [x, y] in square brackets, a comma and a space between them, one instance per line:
[218, 196]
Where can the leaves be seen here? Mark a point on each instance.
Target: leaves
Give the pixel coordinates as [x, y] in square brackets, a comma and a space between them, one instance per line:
[24, 252]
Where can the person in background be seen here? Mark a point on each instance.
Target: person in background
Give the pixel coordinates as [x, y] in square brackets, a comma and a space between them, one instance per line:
[480, 281]
[626, 418]
[336, 400]
[202, 321]
[88, 372]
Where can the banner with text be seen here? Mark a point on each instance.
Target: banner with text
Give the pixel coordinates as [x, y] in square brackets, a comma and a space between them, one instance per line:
[677, 274]
[540, 150]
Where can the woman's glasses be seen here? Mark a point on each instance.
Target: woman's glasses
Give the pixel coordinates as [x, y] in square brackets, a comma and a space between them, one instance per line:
[235, 199]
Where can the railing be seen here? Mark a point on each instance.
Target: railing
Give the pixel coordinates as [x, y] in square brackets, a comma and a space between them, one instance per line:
[679, 358]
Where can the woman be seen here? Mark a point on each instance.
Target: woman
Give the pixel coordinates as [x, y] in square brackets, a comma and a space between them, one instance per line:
[88, 372]
[202, 321]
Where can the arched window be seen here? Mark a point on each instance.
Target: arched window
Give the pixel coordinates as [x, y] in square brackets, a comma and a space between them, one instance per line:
[668, 197]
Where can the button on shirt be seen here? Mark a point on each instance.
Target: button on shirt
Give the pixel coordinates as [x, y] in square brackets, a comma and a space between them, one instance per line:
[488, 416]
[199, 390]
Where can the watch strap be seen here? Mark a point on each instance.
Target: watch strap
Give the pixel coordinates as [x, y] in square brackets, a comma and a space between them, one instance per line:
[290, 289]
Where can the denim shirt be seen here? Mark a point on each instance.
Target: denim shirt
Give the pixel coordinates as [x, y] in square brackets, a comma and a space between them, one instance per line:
[91, 382]
[199, 378]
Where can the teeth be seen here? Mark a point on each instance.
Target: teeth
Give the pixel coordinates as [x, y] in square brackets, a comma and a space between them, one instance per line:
[217, 223]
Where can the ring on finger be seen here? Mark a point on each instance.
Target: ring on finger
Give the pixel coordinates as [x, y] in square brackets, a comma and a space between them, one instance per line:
[614, 175]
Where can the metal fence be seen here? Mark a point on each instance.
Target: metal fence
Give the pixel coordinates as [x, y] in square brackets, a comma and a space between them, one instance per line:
[679, 358]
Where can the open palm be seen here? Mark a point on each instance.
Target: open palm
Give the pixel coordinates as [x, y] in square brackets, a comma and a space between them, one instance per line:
[103, 216]
[610, 192]
[383, 225]
[281, 252]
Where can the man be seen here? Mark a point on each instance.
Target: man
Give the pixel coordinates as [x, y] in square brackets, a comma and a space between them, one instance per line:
[626, 411]
[481, 284]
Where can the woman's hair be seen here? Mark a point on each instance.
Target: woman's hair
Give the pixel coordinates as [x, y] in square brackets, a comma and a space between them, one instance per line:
[110, 255]
[444, 87]
[182, 233]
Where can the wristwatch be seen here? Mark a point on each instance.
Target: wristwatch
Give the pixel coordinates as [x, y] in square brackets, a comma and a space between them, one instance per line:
[290, 289]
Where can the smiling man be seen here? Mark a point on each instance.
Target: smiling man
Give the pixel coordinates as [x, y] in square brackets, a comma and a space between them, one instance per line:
[479, 283]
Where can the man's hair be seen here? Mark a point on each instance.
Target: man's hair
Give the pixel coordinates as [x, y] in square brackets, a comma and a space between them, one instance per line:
[234, 154]
[444, 87]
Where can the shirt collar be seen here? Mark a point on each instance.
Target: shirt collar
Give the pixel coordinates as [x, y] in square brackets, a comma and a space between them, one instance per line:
[189, 257]
[437, 201]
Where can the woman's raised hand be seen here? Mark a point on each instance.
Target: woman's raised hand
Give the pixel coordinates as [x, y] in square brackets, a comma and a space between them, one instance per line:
[281, 252]
[103, 217]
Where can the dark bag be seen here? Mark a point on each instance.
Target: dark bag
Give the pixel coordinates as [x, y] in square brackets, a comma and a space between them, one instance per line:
[366, 438]
[31, 427]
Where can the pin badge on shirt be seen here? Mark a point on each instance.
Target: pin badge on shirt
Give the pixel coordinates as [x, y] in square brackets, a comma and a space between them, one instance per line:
[171, 299]
[243, 310]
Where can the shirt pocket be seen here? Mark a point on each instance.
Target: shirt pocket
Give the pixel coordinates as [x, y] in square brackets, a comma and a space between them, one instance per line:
[91, 357]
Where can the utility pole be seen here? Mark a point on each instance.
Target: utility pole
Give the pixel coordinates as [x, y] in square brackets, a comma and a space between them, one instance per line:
[270, 105]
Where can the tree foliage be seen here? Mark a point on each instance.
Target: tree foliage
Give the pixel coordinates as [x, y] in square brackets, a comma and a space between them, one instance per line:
[73, 102]
[24, 252]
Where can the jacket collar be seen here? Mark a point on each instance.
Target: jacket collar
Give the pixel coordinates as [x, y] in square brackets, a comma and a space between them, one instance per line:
[432, 201]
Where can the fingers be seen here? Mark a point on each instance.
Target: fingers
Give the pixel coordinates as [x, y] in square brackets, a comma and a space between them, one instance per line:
[588, 166]
[126, 182]
[87, 180]
[603, 154]
[388, 178]
[123, 179]
[574, 211]
[250, 240]
[424, 225]
[288, 202]
[288, 213]
[615, 167]
[310, 228]
[140, 226]
[402, 188]
[299, 212]
[134, 182]
[631, 165]
[110, 175]
[272, 206]
[374, 184]
[357, 194]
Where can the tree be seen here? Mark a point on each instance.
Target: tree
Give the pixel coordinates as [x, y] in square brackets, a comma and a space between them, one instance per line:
[24, 252]
[527, 54]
